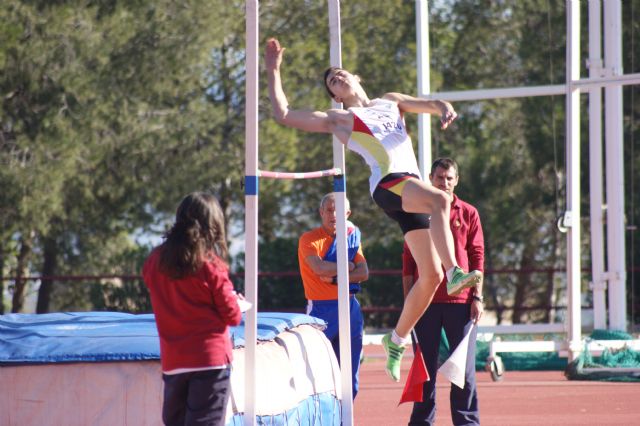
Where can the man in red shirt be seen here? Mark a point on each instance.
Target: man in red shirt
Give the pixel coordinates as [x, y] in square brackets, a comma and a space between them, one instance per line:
[455, 314]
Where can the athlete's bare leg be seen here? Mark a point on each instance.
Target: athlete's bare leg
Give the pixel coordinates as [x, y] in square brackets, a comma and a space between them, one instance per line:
[420, 197]
[429, 276]
[429, 248]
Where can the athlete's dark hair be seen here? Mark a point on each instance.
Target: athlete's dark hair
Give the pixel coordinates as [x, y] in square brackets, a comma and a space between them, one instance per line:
[197, 236]
[444, 163]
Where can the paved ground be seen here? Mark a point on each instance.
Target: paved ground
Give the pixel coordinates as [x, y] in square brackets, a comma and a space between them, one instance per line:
[521, 398]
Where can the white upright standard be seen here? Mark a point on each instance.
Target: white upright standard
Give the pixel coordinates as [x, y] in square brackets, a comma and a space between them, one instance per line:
[252, 175]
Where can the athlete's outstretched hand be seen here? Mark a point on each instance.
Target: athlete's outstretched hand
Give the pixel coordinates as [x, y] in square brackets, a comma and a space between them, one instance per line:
[448, 115]
[273, 54]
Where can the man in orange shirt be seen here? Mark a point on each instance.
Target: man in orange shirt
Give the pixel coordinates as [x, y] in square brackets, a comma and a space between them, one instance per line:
[318, 267]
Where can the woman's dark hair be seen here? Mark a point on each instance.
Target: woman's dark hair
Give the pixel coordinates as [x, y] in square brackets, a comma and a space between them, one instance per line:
[198, 235]
[326, 74]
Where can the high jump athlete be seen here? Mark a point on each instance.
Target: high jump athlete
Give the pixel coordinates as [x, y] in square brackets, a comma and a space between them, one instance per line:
[375, 129]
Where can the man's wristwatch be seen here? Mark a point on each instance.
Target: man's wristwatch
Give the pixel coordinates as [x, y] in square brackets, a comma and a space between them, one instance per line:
[478, 298]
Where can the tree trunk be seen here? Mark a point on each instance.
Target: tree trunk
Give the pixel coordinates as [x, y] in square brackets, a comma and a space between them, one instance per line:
[26, 245]
[523, 284]
[550, 293]
[224, 193]
[48, 270]
[489, 281]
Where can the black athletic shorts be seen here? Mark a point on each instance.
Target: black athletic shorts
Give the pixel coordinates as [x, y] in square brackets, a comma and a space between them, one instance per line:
[387, 196]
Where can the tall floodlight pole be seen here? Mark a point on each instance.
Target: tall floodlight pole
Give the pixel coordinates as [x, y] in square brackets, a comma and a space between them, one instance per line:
[340, 190]
[596, 209]
[424, 87]
[572, 215]
[251, 211]
[615, 167]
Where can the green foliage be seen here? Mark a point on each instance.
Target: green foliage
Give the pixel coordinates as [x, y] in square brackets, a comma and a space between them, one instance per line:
[383, 290]
[106, 123]
[286, 293]
[120, 296]
[283, 293]
[111, 111]
[510, 151]
[275, 291]
[631, 122]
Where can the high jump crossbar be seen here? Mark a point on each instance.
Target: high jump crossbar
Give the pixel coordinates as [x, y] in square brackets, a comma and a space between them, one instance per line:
[336, 171]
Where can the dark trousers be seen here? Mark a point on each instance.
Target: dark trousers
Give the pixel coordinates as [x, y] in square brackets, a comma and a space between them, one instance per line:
[196, 398]
[454, 318]
[328, 311]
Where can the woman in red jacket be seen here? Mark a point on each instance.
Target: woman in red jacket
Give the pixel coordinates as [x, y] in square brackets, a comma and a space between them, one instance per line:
[194, 304]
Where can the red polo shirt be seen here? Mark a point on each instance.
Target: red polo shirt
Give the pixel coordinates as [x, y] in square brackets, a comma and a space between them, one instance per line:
[469, 249]
[193, 314]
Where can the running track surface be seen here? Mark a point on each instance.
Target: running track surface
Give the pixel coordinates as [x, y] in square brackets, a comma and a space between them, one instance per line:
[520, 398]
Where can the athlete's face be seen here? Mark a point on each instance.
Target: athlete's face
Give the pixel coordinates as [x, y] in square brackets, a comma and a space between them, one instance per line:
[341, 83]
[444, 179]
[328, 216]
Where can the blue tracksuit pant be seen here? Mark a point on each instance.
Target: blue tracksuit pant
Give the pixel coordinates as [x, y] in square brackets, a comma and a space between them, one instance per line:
[327, 310]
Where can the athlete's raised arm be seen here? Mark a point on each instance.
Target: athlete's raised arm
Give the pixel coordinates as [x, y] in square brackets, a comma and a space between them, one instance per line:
[311, 121]
[409, 103]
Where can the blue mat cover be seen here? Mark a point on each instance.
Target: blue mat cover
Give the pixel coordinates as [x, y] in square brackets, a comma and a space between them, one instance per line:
[322, 409]
[107, 336]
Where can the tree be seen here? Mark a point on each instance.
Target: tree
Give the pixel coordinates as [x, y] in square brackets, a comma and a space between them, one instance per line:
[112, 111]
[95, 96]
